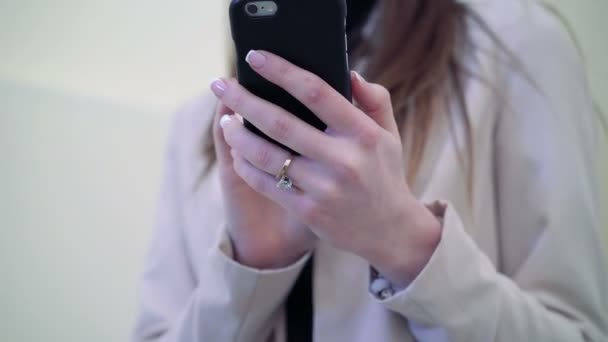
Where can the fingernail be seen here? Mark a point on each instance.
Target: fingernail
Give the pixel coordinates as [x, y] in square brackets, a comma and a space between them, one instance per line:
[218, 87]
[357, 76]
[225, 120]
[255, 59]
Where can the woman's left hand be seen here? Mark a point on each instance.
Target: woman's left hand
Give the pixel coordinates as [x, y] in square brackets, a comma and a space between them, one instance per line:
[351, 188]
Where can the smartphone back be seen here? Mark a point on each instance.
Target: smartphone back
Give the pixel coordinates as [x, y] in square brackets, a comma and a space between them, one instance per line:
[309, 33]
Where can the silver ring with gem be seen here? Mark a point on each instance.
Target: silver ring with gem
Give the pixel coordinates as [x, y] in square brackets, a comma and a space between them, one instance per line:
[285, 183]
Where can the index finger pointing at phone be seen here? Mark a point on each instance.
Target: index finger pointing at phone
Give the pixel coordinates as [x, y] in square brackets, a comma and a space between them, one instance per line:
[318, 96]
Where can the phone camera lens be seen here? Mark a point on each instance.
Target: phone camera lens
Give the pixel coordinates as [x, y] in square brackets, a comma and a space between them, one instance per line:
[252, 9]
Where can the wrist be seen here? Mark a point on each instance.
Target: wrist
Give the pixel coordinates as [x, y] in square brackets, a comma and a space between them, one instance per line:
[405, 255]
[265, 256]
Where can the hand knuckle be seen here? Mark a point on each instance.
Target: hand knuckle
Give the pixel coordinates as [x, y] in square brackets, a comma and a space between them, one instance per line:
[385, 95]
[329, 192]
[283, 71]
[369, 137]
[280, 128]
[311, 212]
[316, 90]
[239, 101]
[262, 156]
[348, 171]
[382, 99]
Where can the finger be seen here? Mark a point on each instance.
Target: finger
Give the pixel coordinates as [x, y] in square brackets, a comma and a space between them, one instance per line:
[265, 184]
[375, 101]
[318, 96]
[266, 156]
[222, 150]
[273, 121]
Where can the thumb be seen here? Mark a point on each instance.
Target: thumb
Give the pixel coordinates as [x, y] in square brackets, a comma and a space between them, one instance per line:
[375, 101]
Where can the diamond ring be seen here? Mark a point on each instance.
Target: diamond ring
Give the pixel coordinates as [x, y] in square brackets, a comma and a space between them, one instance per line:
[284, 182]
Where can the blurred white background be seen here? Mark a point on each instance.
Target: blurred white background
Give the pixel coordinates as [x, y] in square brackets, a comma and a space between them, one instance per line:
[87, 89]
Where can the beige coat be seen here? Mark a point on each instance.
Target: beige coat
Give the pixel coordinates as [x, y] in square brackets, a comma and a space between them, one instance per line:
[522, 261]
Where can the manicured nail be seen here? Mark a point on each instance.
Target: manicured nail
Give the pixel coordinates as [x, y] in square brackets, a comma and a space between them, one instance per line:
[255, 59]
[218, 87]
[225, 120]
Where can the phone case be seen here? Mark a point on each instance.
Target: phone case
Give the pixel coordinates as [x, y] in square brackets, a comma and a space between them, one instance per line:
[310, 34]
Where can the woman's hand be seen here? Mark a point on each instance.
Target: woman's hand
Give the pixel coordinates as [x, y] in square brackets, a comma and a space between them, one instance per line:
[263, 235]
[351, 184]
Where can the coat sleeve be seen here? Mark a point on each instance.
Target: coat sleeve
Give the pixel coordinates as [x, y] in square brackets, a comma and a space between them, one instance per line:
[550, 283]
[223, 300]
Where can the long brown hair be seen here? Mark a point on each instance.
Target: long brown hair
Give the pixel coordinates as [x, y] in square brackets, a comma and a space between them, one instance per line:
[413, 51]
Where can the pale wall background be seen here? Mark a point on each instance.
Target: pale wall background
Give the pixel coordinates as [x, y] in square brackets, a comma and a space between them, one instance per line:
[86, 92]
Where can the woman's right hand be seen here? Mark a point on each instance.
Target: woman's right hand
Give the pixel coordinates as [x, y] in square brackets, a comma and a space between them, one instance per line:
[264, 235]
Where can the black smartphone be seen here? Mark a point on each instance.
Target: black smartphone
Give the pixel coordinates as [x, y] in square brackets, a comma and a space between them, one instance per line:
[309, 33]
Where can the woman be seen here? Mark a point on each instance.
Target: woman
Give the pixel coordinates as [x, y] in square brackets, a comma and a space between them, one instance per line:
[456, 202]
